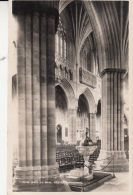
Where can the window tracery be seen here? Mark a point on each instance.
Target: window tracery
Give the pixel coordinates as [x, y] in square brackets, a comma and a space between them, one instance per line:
[60, 41]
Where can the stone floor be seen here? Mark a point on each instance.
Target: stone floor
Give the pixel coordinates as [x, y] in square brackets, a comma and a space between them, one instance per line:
[120, 183]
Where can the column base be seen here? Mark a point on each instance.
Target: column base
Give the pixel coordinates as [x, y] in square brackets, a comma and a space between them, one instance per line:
[39, 179]
[57, 186]
[120, 163]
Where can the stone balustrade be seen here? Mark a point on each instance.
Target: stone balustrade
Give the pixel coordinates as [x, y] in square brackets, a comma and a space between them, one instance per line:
[87, 78]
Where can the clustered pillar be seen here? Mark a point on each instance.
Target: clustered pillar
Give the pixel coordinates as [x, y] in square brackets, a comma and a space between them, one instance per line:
[51, 133]
[92, 126]
[72, 125]
[28, 82]
[43, 93]
[21, 98]
[112, 120]
[36, 99]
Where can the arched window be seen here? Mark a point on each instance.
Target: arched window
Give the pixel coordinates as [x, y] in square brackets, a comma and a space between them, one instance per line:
[61, 45]
[88, 55]
[57, 43]
[65, 47]
[60, 41]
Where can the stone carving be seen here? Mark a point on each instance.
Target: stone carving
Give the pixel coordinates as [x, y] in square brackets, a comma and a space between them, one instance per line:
[58, 80]
[87, 78]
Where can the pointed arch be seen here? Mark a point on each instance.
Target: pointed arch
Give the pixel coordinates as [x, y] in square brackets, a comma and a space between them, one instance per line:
[65, 85]
[110, 33]
[90, 99]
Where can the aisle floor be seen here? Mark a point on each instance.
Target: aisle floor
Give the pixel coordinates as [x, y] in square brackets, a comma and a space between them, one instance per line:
[120, 183]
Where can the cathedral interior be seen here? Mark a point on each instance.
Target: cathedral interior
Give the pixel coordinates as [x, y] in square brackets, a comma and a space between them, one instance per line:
[69, 75]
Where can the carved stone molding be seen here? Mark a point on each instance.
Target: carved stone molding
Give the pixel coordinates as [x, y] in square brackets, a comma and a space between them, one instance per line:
[87, 78]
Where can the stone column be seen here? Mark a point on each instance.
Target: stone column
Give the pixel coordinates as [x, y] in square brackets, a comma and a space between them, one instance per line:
[72, 125]
[51, 133]
[43, 84]
[20, 173]
[121, 114]
[93, 126]
[36, 97]
[112, 120]
[28, 102]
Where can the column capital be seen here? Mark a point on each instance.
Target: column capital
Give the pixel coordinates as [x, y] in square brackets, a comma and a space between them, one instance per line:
[111, 70]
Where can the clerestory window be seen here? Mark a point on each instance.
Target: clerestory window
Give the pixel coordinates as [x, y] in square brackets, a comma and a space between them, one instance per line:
[60, 41]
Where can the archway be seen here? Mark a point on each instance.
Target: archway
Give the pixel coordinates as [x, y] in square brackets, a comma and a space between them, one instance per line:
[90, 99]
[98, 121]
[102, 27]
[83, 122]
[59, 133]
[62, 121]
[86, 99]
[68, 91]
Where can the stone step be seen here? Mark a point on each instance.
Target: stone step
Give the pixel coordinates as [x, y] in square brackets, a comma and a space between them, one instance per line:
[72, 178]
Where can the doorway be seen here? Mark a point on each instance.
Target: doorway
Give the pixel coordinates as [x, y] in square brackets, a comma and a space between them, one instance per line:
[59, 133]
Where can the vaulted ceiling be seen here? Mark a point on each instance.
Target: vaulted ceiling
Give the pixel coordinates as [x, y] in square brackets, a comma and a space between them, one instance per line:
[108, 20]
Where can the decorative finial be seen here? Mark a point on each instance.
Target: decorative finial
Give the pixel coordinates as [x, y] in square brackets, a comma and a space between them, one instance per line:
[87, 131]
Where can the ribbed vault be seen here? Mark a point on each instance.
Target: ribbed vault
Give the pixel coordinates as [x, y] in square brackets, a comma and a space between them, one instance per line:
[109, 22]
[79, 23]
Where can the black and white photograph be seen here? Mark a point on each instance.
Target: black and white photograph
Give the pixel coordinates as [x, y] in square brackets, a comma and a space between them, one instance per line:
[68, 127]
